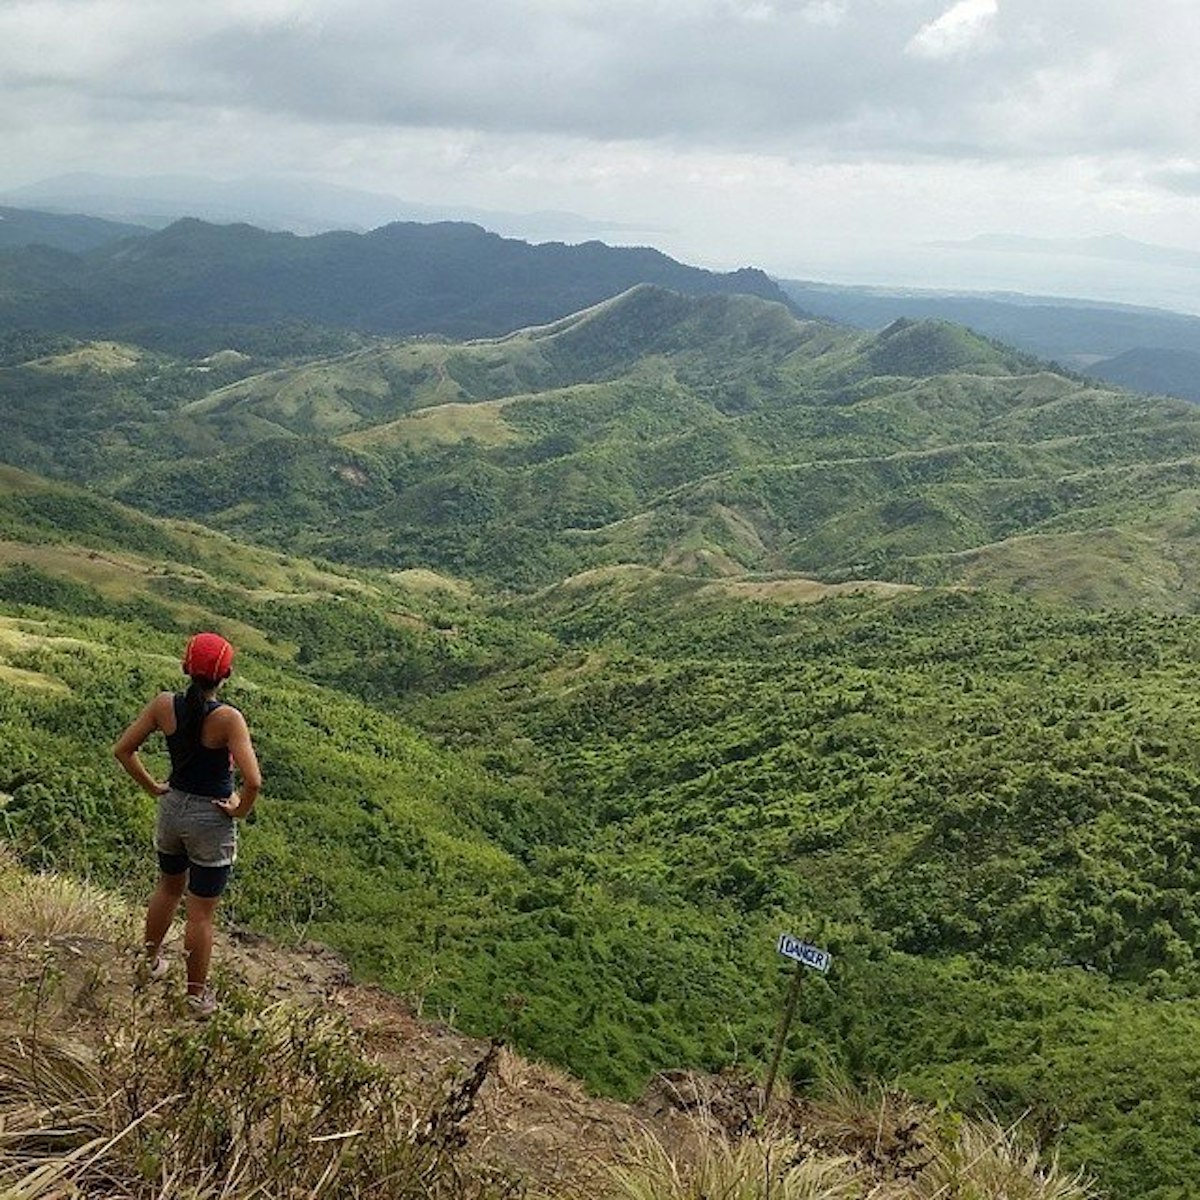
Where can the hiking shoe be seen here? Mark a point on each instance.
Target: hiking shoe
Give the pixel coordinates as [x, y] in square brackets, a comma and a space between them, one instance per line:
[150, 970]
[202, 1005]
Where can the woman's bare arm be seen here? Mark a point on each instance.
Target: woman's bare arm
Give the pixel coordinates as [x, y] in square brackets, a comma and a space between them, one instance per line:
[128, 744]
[237, 738]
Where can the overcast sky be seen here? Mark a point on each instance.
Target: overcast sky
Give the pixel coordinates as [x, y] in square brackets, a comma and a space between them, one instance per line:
[811, 137]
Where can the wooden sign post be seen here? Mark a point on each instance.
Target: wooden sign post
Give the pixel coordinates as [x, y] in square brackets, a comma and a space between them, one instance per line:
[804, 955]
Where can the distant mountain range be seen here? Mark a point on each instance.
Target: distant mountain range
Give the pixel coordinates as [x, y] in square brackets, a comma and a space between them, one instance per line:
[21, 227]
[199, 287]
[299, 206]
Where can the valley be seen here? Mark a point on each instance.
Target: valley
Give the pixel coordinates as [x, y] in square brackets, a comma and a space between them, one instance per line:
[586, 659]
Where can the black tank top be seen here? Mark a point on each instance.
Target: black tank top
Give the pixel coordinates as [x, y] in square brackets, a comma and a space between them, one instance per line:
[195, 768]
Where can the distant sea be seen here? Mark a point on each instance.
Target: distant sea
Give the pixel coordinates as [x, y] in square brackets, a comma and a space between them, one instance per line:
[1067, 276]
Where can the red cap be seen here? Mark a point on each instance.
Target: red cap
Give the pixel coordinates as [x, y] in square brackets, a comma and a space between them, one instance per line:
[208, 655]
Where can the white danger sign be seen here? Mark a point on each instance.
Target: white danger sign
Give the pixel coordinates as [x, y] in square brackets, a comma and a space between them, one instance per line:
[802, 952]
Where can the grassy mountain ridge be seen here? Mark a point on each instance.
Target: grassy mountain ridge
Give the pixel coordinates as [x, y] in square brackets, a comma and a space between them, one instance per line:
[722, 427]
[1144, 349]
[718, 433]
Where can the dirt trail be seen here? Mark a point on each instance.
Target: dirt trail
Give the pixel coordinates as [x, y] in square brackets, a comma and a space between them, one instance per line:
[530, 1118]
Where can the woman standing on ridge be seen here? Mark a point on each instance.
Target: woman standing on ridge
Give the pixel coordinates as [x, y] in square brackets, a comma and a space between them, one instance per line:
[195, 835]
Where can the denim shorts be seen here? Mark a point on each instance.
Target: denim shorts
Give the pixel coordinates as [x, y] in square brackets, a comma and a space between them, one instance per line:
[194, 826]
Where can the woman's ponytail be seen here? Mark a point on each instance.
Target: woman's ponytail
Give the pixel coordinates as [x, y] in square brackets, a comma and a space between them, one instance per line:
[195, 709]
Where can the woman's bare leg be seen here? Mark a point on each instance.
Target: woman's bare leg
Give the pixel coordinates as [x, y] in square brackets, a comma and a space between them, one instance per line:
[198, 939]
[160, 912]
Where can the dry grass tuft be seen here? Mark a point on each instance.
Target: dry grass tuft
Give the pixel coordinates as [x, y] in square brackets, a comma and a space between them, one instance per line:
[517, 1074]
[269, 1101]
[988, 1161]
[876, 1144]
[41, 906]
[888, 1133]
[712, 1164]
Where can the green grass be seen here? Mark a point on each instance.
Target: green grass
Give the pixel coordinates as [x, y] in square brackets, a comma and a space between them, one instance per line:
[481, 424]
[104, 357]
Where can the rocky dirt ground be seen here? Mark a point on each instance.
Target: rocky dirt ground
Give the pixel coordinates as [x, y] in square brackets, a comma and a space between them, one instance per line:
[530, 1121]
[71, 973]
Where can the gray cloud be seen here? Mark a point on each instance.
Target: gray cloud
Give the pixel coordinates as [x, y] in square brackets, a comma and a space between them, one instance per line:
[1181, 178]
[982, 78]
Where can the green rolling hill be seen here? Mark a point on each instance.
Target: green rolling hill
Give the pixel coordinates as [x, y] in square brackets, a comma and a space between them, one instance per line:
[718, 435]
[582, 816]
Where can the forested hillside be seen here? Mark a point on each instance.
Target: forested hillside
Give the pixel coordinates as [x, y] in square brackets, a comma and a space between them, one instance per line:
[21, 227]
[634, 640]
[1050, 326]
[583, 818]
[1147, 369]
[195, 287]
